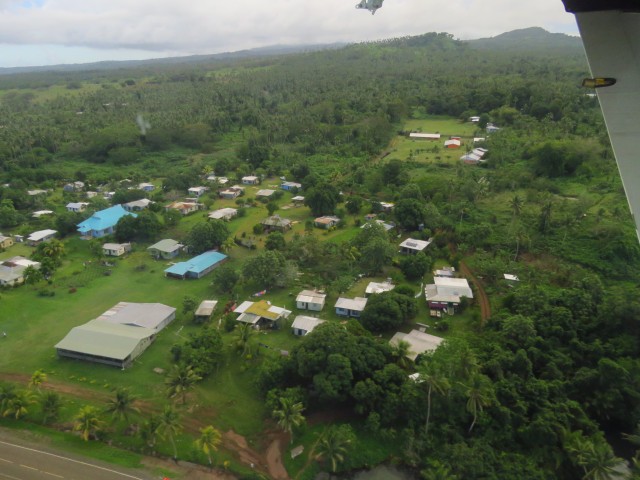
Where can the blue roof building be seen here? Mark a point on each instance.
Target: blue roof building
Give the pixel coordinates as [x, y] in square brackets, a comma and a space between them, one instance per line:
[103, 222]
[197, 267]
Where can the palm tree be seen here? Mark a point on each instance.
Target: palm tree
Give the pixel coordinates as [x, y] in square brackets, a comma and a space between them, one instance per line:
[208, 442]
[433, 380]
[227, 245]
[18, 406]
[245, 332]
[169, 426]
[37, 379]
[602, 464]
[334, 445]
[149, 431]
[480, 394]
[50, 404]
[122, 405]
[88, 422]
[53, 249]
[7, 392]
[437, 471]
[289, 415]
[181, 379]
[515, 204]
[401, 351]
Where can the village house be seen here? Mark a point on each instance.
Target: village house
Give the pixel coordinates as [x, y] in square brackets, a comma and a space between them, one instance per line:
[474, 119]
[77, 207]
[310, 300]
[298, 200]
[231, 193]
[103, 222]
[326, 222]
[115, 249]
[185, 208]
[5, 242]
[197, 267]
[223, 214]
[223, 180]
[41, 213]
[250, 180]
[350, 307]
[445, 294]
[424, 136]
[419, 342]
[289, 186]
[491, 128]
[452, 143]
[303, 325]
[386, 206]
[412, 246]
[198, 191]
[73, 187]
[36, 192]
[118, 336]
[137, 205]
[445, 272]
[205, 310]
[12, 270]
[379, 287]
[40, 236]
[386, 225]
[146, 187]
[91, 194]
[275, 223]
[261, 314]
[165, 249]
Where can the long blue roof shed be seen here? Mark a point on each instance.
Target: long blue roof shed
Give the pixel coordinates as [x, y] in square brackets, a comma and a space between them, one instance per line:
[197, 267]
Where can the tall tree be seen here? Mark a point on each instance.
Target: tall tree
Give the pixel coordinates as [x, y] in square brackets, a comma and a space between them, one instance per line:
[50, 404]
[289, 415]
[479, 393]
[434, 381]
[87, 421]
[334, 444]
[180, 380]
[169, 426]
[121, 405]
[207, 235]
[208, 442]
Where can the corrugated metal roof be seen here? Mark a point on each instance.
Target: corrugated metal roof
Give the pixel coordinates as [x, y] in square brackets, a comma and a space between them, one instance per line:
[196, 264]
[104, 219]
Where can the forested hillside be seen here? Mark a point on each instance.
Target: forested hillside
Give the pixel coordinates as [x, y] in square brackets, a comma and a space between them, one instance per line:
[538, 384]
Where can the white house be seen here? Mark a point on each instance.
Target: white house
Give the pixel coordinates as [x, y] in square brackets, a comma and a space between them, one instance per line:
[223, 214]
[77, 206]
[250, 180]
[115, 249]
[419, 342]
[41, 213]
[137, 205]
[310, 300]
[424, 136]
[197, 191]
[413, 246]
[303, 325]
[379, 287]
[350, 307]
[147, 187]
[40, 236]
[266, 193]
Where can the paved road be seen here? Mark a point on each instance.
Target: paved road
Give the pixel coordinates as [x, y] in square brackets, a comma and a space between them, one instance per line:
[21, 462]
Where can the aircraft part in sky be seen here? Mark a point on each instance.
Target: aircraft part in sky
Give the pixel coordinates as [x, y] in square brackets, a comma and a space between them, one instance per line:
[371, 5]
[612, 43]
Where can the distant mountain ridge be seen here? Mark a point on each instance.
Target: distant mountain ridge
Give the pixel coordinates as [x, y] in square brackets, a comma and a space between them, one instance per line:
[527, 39]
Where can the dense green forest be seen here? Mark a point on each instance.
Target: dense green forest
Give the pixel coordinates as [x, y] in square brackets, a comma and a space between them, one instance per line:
[543, 388]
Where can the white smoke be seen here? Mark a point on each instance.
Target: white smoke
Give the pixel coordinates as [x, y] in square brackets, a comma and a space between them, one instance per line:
[143, 125]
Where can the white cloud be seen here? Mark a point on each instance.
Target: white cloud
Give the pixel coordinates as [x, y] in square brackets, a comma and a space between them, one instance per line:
[208, 26]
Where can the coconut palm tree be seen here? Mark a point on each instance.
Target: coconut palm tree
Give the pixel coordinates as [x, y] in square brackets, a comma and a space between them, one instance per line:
[53, 249]
[149, 431]
[121, 405]
[515, 205]
[289, 415]
[7, 392]
[334, 445]
[244, 333]
[169, 426]
[433, 381]
[210, 439]
[50, 404]
[479, 393]
[180, 380]
[88, 422]
[401, 351]
[37, 379]
[18, 406]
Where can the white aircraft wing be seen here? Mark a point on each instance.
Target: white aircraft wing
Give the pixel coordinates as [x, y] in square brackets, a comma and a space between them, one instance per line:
[610, 31]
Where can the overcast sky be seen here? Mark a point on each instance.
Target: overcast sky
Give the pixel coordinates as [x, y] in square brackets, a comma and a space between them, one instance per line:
[45, 32]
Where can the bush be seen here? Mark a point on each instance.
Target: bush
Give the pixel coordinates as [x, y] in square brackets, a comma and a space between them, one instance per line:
[258, 229]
